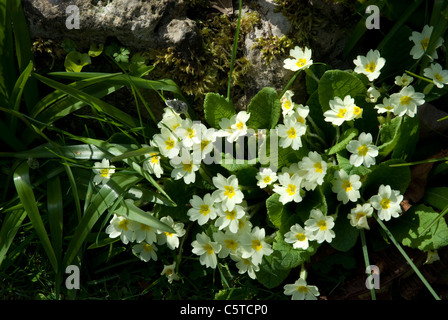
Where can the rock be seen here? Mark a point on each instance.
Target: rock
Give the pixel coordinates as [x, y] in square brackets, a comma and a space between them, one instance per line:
[139, 24]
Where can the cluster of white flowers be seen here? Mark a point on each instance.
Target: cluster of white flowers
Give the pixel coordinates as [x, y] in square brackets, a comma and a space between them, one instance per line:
[235, 237]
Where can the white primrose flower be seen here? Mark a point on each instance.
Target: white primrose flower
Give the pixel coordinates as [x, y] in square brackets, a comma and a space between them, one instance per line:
[362, 150]
[203, 209]
[406, 101]
[298, 237]
[171, 239]
[289, 188]
[184, 167]
[320, 226]
[239, 127]
[266, 177]
[342, 110]
[103, 170]
[170, 120]
[254, 245]
[206, 250]
[436, 74]
[207, 138]
[300, 290]
[404, 80]
[386, 106]
[229, 218]
[287, 103]
[245, 266]
[188, 133]
[290, 133]
[228, 191]
[300, 113]
[145, 251]
[358, 216]
[369, 65]
[167, 143]
[387, 202]
[244, 225]
[152, 164]
[170, 272]
[346, 187]
[145, 233]
[372, 95]
[229, 241]
[421, 42]
[432, 257]
[301, 59]
[122, 227]
[312, 169]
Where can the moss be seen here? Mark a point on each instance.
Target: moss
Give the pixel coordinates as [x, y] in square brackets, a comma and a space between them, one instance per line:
[272, 46]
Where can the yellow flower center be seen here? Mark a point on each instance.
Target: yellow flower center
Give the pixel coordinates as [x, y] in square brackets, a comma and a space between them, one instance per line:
[147, 247]
[438, 77]
[231, 244]
[204, 144]
[169, 272]
[169, 144]
[145, 227]
[267, 179]
[123, 224]
[287, 104]
[322, 225]
[385, 203]
[424, 43]
[301, 62]
[370, 67]
[300, 237]
[204, 209]
[405, 100]
[230, 215]
[229, 192]
[176, 126]
[154, 158]
[187, 167]
[300, 119]
[342, 112]
[318, 167]
[359, 215]
[291, 189]
[104, 173]
[190, 133]
[240, 125]
[362, 150]
[347, 186]
[256, 244]
[247, 262]
[357, 111]
[302, 289]
[209, 249]
[291, 133]
[169, 234]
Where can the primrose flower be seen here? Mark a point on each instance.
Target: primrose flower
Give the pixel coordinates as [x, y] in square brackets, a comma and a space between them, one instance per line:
[145, 251]
[122, 227]
[152, 164]
[228, 191]
[342, 110]
[167, 143]
[229, 218]
[188, 133]
[145, 233]
[406, 101]
[436, 74]
[300, 290]
[289, 188]
[254, 245]
[207, 137]
[202, 210]
[170, 272]
[346, 187]
[298, 237]
[363, 151]
[312, 169]
[320, 226]
[266, 177]
[386, 106]
[171, 239]
[300, 113]
[358, 216]
[103, 170]
[387, 202]
[170, 120]
[206, 250]
[404, 80]
[301, 59]
[239, 127]
[421, 42]
[291, 133]
[372, 95]
[432, 257]
[369, 65]
[287, 104]
[245, 266]
[184, 167]
[230, 243]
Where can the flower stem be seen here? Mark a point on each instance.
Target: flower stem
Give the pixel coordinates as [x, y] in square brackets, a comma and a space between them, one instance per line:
[290, 83]
[235, 46]
[366, 259]
[404, 254]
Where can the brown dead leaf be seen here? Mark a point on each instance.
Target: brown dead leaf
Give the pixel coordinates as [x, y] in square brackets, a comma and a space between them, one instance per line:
[223, 6]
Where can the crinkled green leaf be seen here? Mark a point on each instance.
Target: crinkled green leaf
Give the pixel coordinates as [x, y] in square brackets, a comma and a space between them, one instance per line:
[345, 138]
[389, 135]
[216, 107]
[75, 61]
[265, 109]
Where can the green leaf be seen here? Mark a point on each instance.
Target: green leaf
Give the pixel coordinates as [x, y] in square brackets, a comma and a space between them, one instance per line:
[409, 229]
[389, 134]
[408, 138]
[345, 138]
[337, 83]
[282, 216]
[265, 109]
[75, 61]
[345, 164]
[216, 107]
[25, 191]
[436, 197]
[10, 225]
[325, 129]
[95, 50]
[346, 235]
[55, 214]
[7, 61]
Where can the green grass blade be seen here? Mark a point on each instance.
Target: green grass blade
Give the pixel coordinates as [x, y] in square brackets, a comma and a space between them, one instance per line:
[55, 214]
[17, 91]
[10, 226]
[74, 188]
[7, 61]
[25, 191]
